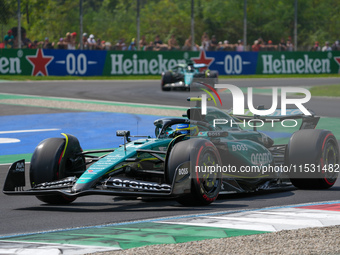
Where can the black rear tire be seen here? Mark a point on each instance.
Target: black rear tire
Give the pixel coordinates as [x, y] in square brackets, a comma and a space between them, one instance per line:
[205, 186]
[213, 75]
[313, 147]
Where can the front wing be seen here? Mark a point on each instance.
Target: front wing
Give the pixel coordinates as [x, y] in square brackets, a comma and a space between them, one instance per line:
[15, 185]
[178, 84]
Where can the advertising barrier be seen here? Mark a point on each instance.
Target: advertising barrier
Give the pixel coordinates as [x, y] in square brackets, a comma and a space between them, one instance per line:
[109, 63]
[298, 62]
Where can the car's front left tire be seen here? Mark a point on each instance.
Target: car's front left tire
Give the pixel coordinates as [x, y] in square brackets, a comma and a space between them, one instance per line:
[202, 155]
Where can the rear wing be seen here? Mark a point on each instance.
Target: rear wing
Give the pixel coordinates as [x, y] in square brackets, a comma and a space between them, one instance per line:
[308, 121]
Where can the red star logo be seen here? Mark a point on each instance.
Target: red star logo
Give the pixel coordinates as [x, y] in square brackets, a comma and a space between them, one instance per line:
[337, 59]
[202, 59]
[39, 63]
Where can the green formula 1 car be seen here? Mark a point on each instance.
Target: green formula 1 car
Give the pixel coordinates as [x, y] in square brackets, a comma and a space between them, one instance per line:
[191, 159]
[184, 76]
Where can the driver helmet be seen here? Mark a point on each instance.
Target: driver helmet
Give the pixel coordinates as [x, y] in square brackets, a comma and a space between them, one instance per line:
[169, 131]
[191, 68]
[187, 129]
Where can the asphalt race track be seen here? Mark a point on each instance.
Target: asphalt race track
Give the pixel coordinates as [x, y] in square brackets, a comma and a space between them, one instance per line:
[149, 92]
[27, 214]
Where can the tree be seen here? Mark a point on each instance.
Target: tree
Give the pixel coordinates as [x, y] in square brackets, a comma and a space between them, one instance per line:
[110, 20]
[5, 12]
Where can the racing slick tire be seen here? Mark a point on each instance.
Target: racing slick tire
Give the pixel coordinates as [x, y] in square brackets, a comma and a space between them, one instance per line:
[310, 151]
[166, 79]
[213, 75]
[46, 167]
[205, 186]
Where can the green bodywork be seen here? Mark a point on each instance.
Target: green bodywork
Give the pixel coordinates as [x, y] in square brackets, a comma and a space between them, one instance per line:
[238, 148]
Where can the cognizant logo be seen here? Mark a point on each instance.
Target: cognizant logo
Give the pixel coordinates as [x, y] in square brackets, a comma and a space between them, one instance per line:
[238, 99]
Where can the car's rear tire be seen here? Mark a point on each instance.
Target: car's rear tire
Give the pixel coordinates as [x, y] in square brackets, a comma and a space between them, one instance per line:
[205, 186]
[313, 149]
[213, 75]
[46, 167]
[166, 79]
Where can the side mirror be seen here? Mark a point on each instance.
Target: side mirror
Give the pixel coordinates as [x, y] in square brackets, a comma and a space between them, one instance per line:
[123, 133]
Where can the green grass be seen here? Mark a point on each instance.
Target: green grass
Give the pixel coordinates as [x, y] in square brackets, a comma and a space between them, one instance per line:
[152, 77]
[326, 90]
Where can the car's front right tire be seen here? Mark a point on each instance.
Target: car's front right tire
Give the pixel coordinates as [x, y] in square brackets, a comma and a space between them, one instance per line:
[166, 79]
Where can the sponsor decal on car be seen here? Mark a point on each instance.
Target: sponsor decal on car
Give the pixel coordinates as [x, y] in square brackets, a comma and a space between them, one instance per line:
[183, 171]
[239, 147]
[20, 167]
[135, 184]
[261, 158]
